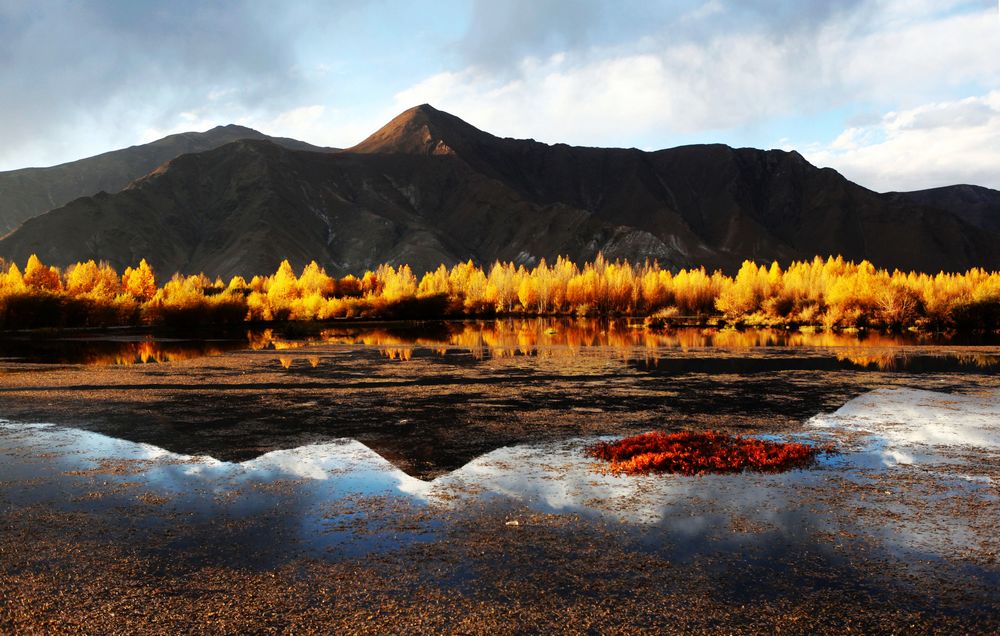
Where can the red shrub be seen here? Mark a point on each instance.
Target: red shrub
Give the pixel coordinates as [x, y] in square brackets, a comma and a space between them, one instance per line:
[691, 453]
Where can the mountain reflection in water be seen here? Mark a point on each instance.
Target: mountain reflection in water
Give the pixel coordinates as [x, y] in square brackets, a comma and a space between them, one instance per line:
[48, 461]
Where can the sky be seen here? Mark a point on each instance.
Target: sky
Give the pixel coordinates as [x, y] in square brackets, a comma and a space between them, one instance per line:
[895, 94]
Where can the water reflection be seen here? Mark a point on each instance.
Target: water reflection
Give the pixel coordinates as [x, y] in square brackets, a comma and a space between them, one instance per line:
[340, 495]
[555, 339]
[627, 341]
[111, 351]
[906, 420]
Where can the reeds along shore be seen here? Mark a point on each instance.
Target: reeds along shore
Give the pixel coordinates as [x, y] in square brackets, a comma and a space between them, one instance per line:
[827, 293]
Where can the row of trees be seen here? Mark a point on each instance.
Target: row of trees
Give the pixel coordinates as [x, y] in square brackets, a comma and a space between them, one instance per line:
[831, 293]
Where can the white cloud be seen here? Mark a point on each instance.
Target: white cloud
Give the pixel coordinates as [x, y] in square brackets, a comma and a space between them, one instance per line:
[297, 123]
[645, 92]
[314, 123]
[732, 80]
[909, 54]
[88, 76]
[713, 70]
[936, 144]
[706, 10]
[620, 98]
[885, 53]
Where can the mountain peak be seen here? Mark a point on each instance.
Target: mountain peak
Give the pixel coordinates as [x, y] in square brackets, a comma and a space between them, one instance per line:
[425, 114]
[233, 128]
[422, 108]
[214, 136]
[422, 130]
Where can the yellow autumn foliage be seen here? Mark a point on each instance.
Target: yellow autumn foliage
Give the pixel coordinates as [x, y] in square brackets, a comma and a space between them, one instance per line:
[831, 293]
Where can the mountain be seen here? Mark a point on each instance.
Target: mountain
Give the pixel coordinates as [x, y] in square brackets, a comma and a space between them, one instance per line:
[31, 191]
[711, 204]
[241, 208]
[976, 205]
[429, 188]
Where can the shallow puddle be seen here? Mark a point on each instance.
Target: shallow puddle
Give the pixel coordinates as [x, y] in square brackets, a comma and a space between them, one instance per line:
[903, 452]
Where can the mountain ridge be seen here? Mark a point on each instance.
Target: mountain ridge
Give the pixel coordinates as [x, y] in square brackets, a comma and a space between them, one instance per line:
[28, 192]
[977, 205]
[428, 188]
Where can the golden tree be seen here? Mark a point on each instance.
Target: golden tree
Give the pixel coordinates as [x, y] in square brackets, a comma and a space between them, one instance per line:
[39, 276]
[314, 280]
[139, 282]
[396, 283]
[90, 279]
[12, 281]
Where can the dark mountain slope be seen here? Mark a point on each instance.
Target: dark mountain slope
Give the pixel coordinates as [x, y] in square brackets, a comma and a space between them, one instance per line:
[31, 191]
[429, 188]
[715, 204]
[973, 204]
[242, 208]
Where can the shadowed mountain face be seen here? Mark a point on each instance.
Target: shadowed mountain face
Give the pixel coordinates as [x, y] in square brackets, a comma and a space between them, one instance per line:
[429, 188]
[973, 204]
[242, 208]
[32, 191]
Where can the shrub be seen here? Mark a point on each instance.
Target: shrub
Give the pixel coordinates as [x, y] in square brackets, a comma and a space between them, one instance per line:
[691, 453]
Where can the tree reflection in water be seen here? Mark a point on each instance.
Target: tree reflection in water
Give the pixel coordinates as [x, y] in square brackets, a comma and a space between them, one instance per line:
[625, 341]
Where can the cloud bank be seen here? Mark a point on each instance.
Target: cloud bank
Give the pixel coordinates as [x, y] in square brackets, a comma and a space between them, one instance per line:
[656, 90]
[109, 67]
[932, 145]
[841, 82]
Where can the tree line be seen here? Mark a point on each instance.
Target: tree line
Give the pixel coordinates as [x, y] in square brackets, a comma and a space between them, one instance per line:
[830, 293]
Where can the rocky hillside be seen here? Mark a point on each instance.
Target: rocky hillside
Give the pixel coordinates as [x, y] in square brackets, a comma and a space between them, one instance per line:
[976, 205]
[31, 191]
[429, 188]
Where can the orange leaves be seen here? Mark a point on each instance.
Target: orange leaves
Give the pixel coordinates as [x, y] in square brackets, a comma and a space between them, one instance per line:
[100, 281]
[832, 293]
[11, 281]
[397, 283]
[38, 276]
[139, 282]
[691, 453]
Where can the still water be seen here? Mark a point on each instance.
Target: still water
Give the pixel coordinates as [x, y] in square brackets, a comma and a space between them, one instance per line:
[545, 338]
